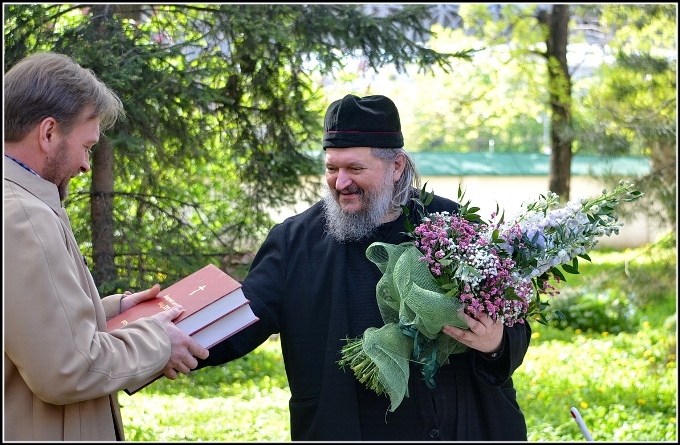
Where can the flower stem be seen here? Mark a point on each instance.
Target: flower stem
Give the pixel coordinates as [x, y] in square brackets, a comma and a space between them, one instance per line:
[365, 370]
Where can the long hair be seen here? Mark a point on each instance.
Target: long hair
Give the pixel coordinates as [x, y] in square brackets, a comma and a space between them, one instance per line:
[409, 178]
[46, 85]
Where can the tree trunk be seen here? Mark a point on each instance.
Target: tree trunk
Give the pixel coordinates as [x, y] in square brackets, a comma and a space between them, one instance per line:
[663, 158]
[101, 211]
[559, 84]
[664, 161]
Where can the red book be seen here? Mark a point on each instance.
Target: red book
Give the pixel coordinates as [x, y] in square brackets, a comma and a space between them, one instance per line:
[215, 308]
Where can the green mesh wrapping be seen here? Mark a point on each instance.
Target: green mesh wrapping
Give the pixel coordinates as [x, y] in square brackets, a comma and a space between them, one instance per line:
[407, 294]
[390, 351]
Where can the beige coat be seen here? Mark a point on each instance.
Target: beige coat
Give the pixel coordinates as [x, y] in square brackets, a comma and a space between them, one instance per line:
[62, 370]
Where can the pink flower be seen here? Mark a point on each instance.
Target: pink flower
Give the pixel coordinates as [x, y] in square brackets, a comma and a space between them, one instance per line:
[503, 268]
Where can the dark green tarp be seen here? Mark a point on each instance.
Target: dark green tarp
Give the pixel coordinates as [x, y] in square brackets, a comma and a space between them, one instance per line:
[523, 164]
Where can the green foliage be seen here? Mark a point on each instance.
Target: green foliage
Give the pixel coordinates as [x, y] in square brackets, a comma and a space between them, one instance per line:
[620, 291]
[629, 105]
[221, 115]
[607, 311]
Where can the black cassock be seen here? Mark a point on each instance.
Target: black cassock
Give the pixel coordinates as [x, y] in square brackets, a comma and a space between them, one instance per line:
[317, 292]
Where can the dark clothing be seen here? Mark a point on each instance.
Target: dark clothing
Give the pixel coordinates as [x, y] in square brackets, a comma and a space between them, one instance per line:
[317, 292]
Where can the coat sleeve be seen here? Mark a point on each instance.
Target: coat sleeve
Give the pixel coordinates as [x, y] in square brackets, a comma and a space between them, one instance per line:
[497, 371]
[112, 305]
[54, 319]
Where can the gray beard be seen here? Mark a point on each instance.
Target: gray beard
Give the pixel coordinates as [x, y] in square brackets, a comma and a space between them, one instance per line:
[347, 227]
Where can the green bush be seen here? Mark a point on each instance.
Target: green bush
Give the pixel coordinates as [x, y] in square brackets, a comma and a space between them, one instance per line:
[604, 311]
[613, 292]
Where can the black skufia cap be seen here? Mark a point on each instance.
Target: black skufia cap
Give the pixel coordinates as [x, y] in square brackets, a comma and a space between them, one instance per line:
[370, 121]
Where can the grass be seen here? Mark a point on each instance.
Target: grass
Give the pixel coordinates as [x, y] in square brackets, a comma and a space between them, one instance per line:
[241, 401]
[622, 379]
[624, 386]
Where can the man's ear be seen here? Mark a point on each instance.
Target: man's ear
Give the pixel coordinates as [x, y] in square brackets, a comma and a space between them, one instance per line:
[48, 136]
[399, 166]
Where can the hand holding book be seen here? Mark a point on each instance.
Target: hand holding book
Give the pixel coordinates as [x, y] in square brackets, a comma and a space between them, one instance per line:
[184, 350]
[213, 309]
[133, 299]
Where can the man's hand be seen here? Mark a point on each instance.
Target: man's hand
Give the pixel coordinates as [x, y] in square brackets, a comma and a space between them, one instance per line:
[184, 348]
[484, 334]
[131, 299]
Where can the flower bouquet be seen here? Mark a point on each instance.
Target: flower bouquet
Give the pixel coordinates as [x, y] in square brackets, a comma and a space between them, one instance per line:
[460, 262]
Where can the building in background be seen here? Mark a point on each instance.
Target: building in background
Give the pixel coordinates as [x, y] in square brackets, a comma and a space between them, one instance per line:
[508, 180]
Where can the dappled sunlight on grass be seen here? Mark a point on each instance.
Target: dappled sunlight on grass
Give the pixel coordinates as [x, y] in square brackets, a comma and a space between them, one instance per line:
[248, 417]
[624, 385]
[244, 400]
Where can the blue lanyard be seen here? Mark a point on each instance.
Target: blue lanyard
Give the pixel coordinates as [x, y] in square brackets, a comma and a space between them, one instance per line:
[23, 165]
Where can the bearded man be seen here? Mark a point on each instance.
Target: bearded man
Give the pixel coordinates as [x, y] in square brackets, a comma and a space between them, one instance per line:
[62, 369]
[312, 283]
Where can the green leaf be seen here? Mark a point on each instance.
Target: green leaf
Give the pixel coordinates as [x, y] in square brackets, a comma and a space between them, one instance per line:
[502, 218]
[451, 293]
[423, 192]
[585, 257]
[555, 271]
[510, 294]
[570, 269]
[429, 198]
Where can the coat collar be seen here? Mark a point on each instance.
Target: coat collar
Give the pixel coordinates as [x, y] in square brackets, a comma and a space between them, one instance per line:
[42, 189]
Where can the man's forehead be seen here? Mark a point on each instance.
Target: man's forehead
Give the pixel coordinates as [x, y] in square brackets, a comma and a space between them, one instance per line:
[348, 154]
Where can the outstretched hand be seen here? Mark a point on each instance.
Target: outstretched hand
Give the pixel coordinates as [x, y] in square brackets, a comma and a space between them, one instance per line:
[484, 333]
[184, 348]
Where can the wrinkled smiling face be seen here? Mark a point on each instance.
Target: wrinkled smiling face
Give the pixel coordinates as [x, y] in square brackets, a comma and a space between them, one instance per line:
[353, 173]
[359, 191]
